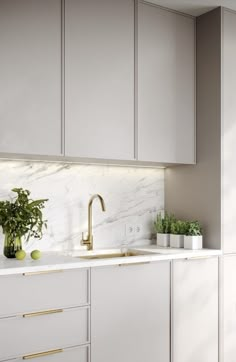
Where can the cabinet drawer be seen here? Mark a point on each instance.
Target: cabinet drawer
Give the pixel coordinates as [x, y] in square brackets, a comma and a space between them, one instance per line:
[50, 290]
[34, 333]
[77, 354]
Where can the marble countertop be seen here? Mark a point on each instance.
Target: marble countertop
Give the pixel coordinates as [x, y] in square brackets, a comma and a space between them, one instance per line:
[71, 259]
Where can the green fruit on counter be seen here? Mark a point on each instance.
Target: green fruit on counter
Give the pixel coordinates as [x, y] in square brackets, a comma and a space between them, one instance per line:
[20, 254]
[36, 254]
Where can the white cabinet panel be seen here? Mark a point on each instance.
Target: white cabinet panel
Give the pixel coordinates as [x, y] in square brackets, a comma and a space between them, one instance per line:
[43, 291]
[195, 310]
[99, 88]
[229, 130]
[44, 332]
[130, 313]
[78, 354]
[30, 73]
[166, 86]
[229, 308]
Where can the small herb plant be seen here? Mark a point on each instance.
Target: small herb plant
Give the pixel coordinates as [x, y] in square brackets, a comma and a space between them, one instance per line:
[22, 216]
[178, 227]
[163, 223]
[193, 229]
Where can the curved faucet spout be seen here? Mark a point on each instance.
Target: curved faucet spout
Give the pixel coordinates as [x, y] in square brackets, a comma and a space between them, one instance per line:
[89, 240]
[97, 196]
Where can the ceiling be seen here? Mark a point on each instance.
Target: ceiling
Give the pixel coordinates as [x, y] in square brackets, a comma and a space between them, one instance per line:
[195, 7]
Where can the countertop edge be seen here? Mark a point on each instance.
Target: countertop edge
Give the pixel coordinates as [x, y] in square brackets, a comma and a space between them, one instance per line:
[54, 261]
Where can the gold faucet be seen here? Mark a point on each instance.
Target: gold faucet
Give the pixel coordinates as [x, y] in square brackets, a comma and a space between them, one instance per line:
[89, 240]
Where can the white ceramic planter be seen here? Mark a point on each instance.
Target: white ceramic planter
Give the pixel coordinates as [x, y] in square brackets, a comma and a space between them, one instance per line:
[176, 241]
[193, 242]
[163, 240]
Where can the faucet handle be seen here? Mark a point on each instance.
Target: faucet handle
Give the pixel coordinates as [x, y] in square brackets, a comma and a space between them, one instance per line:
[83, 238]
[85, 241]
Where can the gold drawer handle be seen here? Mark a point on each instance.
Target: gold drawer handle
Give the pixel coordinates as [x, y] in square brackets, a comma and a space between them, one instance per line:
[199, 257]
[43, 272]
[45, 312]
[139, 263]
[42, 354]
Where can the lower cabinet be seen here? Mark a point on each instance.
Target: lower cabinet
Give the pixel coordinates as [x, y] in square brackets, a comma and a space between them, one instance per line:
[130, 313]
[154, 312]
[43, 323]
[43, 332]
[77, 354]
[229, 310]
[195, 310]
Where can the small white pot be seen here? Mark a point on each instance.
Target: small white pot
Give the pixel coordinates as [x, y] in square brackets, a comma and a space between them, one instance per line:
[163, 240]
[193, 242]
[176, 241]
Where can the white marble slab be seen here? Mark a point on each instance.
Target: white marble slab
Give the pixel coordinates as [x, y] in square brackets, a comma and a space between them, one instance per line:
[132, 196]
[57, 261]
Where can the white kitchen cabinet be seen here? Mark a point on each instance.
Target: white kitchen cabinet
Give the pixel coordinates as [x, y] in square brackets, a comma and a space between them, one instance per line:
[229, 308]
[130, 313]
[166, 86]
[44, 291]
[33, 333]
[44, 314]
[77, 354]
[99, 79]
[195, 310]
[228, 129]
[30, 73]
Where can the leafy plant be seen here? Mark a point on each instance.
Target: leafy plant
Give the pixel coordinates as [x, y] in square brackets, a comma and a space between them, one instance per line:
[178, 227]
[22, 216]
[193, 229]
[163, 224]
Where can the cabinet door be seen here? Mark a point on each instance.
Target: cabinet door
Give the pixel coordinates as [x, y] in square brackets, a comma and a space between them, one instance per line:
[229, 305]
[195, 310]
[30, 73]
[228, 130]
[100, 78]
[130, 313]
[38, 333]
[44, 291]
[166, 82]
[77, 354]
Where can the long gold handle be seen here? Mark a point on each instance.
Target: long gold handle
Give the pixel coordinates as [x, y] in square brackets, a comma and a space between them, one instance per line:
[42, 354]
[139, 263]
[199, 257]
[44, 312]
[43, 272]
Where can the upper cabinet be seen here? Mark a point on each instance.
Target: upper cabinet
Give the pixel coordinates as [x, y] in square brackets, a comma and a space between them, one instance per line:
[166, 86]
[228, 128]
[99, 82]
[30, 73]
[97, 79]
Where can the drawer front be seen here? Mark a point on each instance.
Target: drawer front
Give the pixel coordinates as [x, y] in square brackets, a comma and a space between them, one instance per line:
[77, 354]
[35, 333]
[50, 290]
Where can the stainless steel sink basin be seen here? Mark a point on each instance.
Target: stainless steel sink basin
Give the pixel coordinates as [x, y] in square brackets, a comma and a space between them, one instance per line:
[107, 254]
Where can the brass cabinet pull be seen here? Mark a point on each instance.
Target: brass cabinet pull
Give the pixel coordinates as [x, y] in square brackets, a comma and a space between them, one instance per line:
[43, 272]
[200, 257]
[139, 263]
[44, 312]
[42, 354]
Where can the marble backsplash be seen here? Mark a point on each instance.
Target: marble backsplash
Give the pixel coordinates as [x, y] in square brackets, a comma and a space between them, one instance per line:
[133, 196]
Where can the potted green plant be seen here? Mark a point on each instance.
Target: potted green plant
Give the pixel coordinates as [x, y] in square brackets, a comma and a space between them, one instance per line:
[19, 218]
[193, 237]
[178, 230]
[162, 227]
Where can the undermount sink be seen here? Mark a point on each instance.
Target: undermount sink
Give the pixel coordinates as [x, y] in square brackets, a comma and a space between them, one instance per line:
[107, 254]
